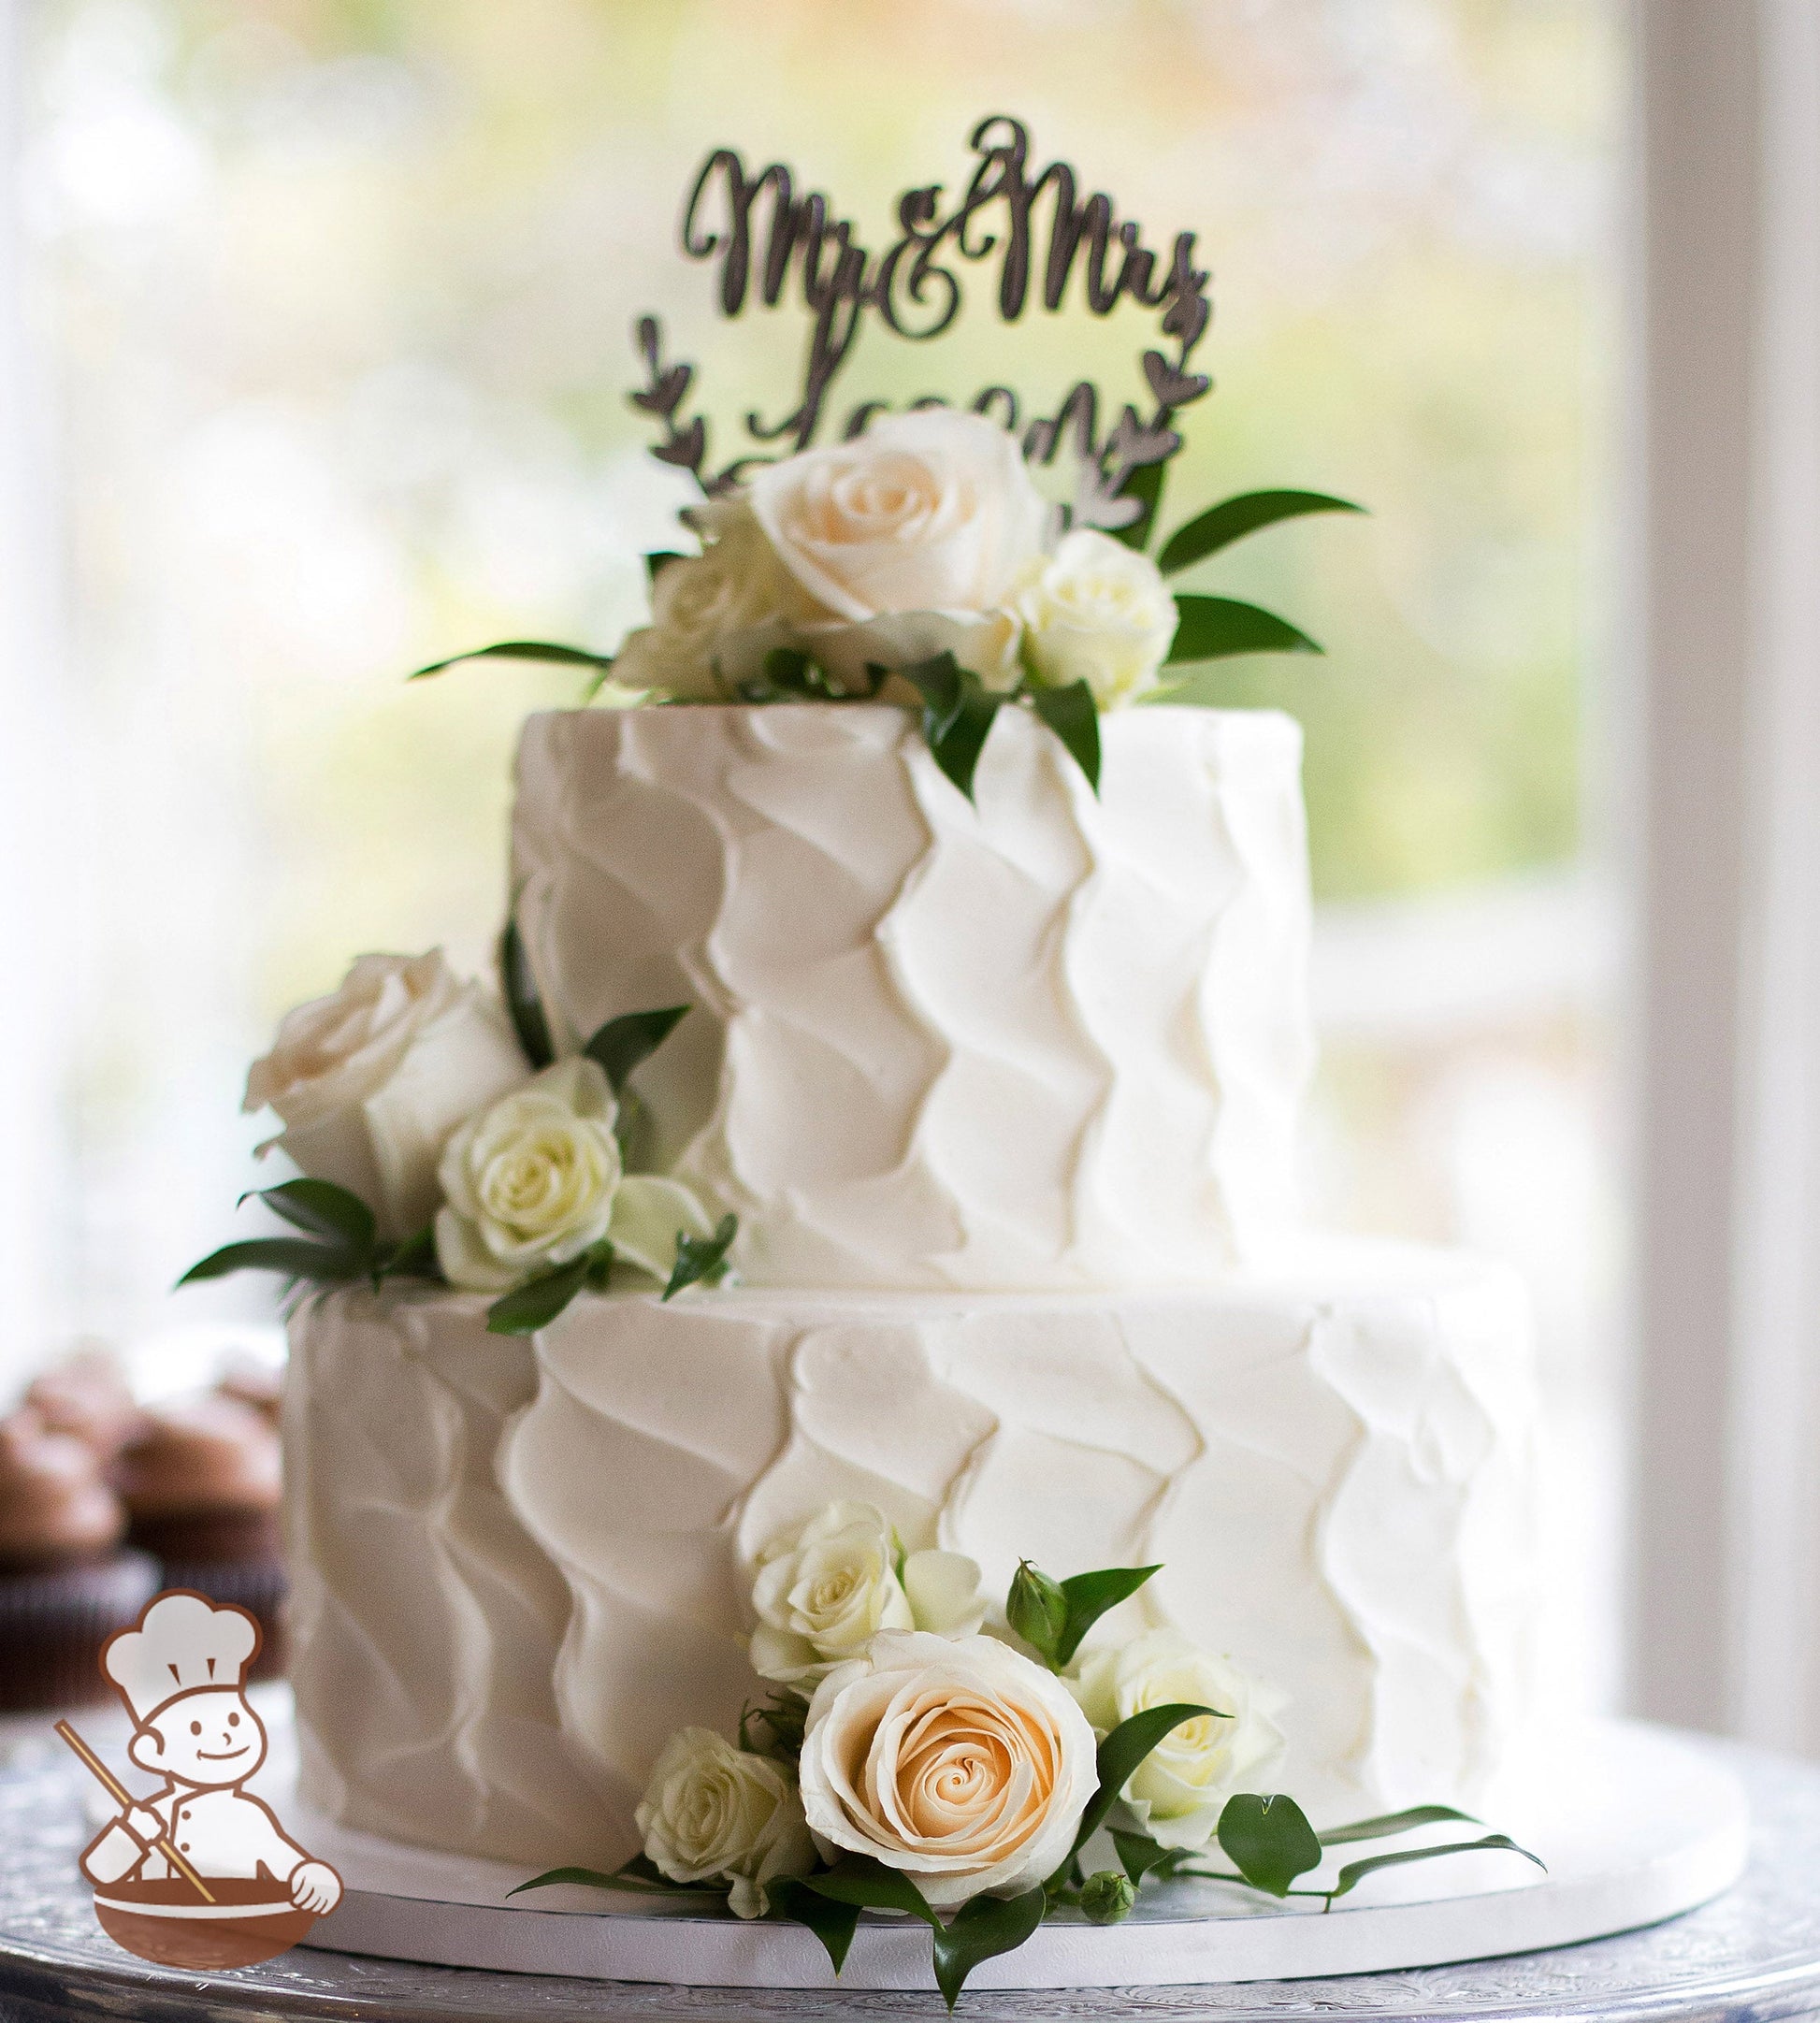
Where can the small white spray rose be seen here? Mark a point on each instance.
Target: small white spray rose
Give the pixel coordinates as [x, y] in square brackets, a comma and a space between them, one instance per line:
[714, 1812]
[927, 512]
[826, 1589]
[1097, 612]
[530, 1182]
[735, 590]
[961, 1764]
[371, 1080]
[1180, 1789]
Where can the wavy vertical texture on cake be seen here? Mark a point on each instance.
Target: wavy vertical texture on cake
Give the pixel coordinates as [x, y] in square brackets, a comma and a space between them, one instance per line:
[1052, 1040]
[1334, 1471]
[426, 1622]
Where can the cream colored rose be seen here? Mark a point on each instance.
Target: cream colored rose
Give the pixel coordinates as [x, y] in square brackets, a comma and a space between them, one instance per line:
[1097, 612]
[1180, 1787]
[536, 1179]
[931, 510]
[735, 590]
[712, 1811]
[371, 1081]
[962, 1764]
[825, 1589]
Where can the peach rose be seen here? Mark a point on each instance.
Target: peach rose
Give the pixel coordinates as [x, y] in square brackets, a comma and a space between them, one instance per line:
[965, 1765]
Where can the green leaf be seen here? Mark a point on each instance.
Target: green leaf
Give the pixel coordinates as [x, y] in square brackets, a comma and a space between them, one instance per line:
[1218, 628]
[701, 1257]
[1354, 1872]
[623, 1043]
[1123, 1750]
[981, 1930]
[1143, 482]
[1385, 1824]
[870, 1886]
[522, 1001]
[325, 1264]
[638, 1874]
[957, 750]
[1219, 525]
[536, 1303]
[323, 1209]
[833, 1923]
[520, 649]
[958, 715]
[1106, 1897]
[1037, 1610]
[1091, 1594]
[589, 1878]
[1268, 1840]
[1139, 1855]
[414, 1258]
[1073, 715]
[659, 560]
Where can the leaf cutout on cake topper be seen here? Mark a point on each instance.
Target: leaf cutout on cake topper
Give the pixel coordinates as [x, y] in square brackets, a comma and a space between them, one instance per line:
[768, 237]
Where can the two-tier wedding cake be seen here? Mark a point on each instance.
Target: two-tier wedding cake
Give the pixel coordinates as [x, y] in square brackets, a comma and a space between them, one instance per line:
[1004, 1093]
[828, 1346]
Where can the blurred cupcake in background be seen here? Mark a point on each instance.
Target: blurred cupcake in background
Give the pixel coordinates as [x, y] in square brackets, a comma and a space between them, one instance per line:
[87, 1394]
[66, 1585]
[200, 1482]
[257, 1384]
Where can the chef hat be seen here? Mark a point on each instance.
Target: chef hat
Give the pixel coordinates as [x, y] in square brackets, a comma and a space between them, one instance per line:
[184, 1645]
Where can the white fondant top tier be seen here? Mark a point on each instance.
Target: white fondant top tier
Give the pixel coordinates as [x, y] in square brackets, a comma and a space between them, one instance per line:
[1041, 1040]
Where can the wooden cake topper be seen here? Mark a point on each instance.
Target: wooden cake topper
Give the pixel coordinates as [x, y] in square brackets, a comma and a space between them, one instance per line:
[767, 238]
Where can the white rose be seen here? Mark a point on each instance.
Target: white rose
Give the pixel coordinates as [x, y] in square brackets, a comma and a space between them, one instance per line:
[931, 510]
[965, 1765]
[735, 589]
[536, 1179]
[712, 1811]
[826, 1589]
[1180, 1787]
[1097, 612]
[371, 1081]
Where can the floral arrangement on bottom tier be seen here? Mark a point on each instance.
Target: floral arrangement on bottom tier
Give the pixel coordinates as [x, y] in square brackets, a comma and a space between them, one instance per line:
[921, 1754]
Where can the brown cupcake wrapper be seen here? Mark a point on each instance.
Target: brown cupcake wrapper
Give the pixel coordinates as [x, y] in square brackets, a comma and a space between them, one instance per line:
[205, 1536]
[54, 1622]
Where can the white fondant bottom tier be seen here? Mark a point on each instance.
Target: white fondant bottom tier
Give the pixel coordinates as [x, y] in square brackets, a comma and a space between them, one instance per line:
[521, 1565]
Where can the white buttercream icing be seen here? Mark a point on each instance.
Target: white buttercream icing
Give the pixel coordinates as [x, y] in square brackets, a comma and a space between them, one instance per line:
[1333, 1461]
[1046, 1041]
[426, 1623]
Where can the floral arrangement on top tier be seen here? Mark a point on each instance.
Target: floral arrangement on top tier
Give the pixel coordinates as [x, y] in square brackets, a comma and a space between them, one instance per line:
[440, 1138]
[922, 1754]
[915, 559]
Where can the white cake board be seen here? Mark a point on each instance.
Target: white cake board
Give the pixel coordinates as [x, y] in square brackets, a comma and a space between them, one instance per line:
[1636, 1825]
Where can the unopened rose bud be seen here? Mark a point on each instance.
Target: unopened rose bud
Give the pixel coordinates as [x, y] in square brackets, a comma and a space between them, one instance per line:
[1106, 1897]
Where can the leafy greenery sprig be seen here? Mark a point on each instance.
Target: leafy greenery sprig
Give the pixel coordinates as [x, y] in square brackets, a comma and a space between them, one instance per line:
[340, 1246]
[1267, 1838]
[959, 709]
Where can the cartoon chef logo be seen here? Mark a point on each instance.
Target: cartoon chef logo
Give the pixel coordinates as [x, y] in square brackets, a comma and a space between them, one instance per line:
[198, 1872]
